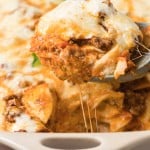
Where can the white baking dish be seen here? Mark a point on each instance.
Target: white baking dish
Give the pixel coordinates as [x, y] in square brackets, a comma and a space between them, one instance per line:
[93, 141]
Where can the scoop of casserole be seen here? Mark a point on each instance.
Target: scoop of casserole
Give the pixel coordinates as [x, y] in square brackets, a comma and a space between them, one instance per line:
[82, 39]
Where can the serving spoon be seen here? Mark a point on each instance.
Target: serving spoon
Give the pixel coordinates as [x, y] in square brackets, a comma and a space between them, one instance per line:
[142, 66]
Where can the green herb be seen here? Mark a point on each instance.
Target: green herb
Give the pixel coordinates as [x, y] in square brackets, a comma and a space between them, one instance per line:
[36, 61]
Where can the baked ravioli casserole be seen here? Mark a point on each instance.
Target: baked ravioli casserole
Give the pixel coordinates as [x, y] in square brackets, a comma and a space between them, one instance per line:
[49, 51]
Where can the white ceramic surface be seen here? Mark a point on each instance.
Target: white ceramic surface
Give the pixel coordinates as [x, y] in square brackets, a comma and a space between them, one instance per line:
[107, 141]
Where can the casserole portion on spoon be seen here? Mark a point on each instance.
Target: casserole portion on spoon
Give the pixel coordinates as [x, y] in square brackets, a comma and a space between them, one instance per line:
[79, 40]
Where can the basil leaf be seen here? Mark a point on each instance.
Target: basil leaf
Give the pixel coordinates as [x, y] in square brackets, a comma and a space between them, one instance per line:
[36, 61]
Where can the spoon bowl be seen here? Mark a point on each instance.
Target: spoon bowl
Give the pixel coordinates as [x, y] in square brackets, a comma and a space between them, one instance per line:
[142, 67]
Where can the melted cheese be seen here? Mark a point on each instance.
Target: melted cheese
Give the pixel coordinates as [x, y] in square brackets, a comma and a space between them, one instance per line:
[80, 19]
[24, 122]
[45, 4]
[17, 22]
[8, 6]
[73, 24]
[138, 10]
[15, 27]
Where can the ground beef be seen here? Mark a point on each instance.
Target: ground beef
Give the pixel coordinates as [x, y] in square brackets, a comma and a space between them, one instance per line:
[102, 44]
[13, 107]
[68, 60]
[134, 101]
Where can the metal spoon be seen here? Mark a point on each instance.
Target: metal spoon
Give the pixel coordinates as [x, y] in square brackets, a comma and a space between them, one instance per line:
[142, 67]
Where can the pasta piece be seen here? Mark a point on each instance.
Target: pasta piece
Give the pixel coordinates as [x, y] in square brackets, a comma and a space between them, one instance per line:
[16, 119]
[121, 67]
[119, 123]
[39, 101]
